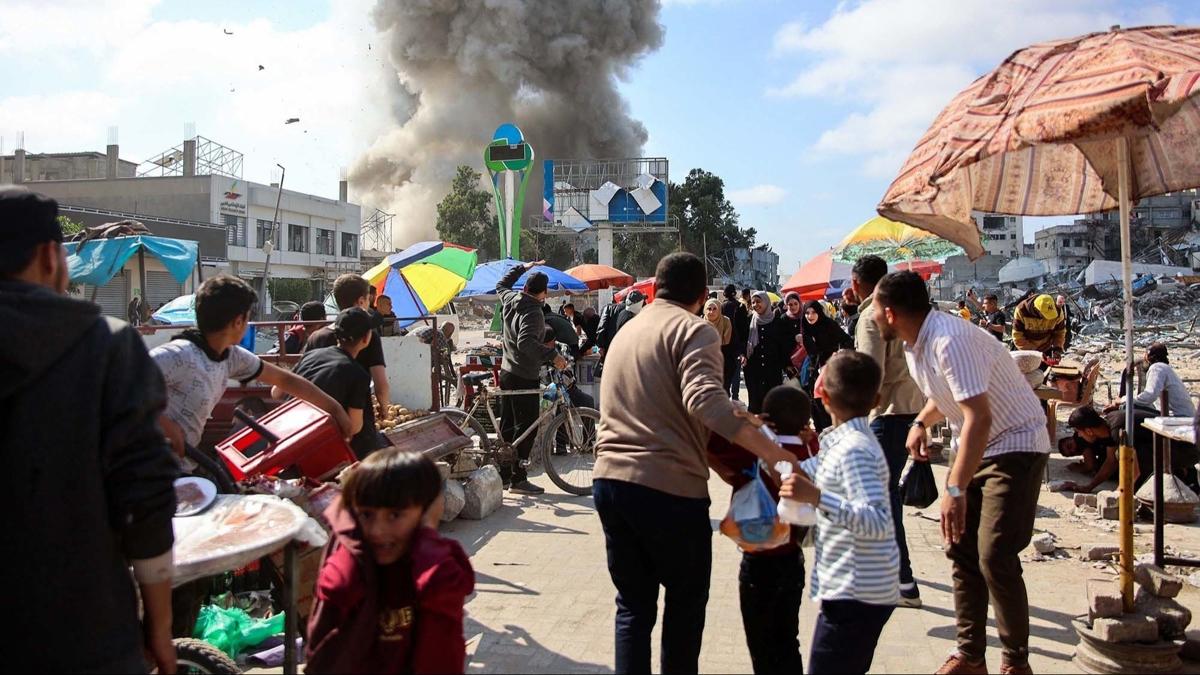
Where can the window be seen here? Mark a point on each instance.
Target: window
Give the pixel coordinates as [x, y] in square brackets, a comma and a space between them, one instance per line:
[235, 226]
[298, 238]
[1012, 236]
[1078, 241]
[993, 222]
[325, 241]
[349, 245]
[263, 232]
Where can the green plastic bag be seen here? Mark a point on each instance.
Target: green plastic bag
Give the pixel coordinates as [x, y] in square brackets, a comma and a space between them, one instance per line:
[233, 630]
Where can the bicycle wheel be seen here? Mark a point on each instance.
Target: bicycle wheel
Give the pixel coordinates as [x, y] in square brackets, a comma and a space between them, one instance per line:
[569, 449]
[197, 656]
[471, 427]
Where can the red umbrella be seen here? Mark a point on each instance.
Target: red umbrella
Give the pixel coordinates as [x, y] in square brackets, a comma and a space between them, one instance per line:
[600, 276]
[814, 277]
[646, 287]
[925, 268]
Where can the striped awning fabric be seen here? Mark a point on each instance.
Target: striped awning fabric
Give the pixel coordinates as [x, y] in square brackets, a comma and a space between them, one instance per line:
[1036, 136]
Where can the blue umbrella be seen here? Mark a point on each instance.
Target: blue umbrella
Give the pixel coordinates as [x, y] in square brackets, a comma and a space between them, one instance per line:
[181, 310]
[487, 275]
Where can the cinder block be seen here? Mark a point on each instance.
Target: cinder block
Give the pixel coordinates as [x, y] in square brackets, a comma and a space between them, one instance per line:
[1100, 551]
[1157, 581]
[1085, 499]
[1171, 617]
[1108, 499]
[1128, 628]
[1104, 601]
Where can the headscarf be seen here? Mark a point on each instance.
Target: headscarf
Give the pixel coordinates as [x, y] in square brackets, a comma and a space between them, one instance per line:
[787, 298]
[713, 303]
[824, 337]
[758, 319]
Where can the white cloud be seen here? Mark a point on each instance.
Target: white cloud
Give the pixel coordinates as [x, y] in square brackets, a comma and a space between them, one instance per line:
[897, 63]
[151, 77]
[758, 195]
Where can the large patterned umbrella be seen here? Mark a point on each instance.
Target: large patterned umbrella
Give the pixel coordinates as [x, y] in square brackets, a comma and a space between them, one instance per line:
[893, 242]
[483, 285]
[600, 276]
[431, 272]
[1065, 127]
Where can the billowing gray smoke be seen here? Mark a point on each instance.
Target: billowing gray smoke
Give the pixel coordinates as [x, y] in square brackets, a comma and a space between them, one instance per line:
[463, 67]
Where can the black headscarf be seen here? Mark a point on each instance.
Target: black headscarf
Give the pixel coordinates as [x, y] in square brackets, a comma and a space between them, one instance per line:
[823, 338]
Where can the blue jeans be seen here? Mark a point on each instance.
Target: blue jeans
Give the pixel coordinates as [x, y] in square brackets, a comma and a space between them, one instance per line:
[892, 432]
[846, 635]
[656, 539]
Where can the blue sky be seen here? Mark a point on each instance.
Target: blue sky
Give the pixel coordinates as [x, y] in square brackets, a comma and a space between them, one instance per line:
[805, 109]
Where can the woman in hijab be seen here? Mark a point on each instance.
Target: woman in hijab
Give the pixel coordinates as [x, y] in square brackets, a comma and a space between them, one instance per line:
[712, 313]
[768, 351]
[792, 320]
[822, 339]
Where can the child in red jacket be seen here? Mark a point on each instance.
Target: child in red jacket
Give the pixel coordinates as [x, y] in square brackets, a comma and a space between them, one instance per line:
[771, 582]
[391, 590]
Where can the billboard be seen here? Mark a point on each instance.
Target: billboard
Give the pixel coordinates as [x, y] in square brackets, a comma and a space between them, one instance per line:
[580, 193]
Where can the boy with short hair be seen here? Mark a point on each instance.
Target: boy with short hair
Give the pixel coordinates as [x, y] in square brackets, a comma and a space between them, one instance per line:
[333, 370]
[198, 364]
[857, 558]
[391, 589]
[771, 582]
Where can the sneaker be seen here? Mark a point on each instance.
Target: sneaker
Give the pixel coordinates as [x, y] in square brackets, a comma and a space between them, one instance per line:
[910, 597]
[958, 664]
[1010, 669]
[524, 487]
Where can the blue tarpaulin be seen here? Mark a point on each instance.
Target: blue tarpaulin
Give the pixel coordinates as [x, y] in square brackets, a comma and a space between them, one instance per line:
[101, 259]
[487, 275]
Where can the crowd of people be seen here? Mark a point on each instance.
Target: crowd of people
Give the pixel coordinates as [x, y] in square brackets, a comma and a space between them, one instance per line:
[844, 403]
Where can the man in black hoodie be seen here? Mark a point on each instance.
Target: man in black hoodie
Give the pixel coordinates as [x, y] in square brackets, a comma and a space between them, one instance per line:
[524, 356]
[87, 473]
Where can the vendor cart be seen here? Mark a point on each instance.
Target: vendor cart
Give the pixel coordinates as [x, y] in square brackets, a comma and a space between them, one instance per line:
[235, 531]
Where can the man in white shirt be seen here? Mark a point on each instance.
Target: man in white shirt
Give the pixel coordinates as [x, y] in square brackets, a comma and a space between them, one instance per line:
[1160, 377]
[991, 494]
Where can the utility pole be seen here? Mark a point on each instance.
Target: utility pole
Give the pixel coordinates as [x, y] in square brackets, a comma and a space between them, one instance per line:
[269, 246]
[704, 239]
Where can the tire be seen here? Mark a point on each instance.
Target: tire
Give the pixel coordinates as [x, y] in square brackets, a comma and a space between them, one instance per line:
[197, 656]
[572, 471]
[470, 427]
[210, 467]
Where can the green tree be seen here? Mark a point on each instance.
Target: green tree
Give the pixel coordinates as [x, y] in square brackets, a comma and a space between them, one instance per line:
[465, 215]
[69, 227]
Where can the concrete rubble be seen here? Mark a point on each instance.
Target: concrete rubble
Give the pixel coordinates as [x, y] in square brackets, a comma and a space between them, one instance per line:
[454, 498]
[1044, 543]
[484, 493]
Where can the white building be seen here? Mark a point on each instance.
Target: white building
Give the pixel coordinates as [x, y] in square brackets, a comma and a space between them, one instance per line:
[1003, 235]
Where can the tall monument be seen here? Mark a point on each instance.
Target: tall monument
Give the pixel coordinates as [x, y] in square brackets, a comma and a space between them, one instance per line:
[508, 158]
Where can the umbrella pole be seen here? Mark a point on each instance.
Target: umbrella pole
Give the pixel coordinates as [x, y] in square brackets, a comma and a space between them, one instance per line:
[1126, 452]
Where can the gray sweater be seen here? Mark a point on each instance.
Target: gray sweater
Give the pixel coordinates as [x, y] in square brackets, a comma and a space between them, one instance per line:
[524, 329]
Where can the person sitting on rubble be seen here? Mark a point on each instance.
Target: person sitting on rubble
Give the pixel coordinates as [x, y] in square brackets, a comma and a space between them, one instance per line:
[1038, 325]
[1102, 432]
[1160, 377]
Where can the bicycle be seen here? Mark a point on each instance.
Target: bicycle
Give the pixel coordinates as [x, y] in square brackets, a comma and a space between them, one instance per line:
[566, 441]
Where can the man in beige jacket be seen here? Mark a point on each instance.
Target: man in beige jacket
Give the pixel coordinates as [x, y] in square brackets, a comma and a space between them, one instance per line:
[661, 396]
[899, 402]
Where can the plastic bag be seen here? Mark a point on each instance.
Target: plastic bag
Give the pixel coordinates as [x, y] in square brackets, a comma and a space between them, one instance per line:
[918, 487]
[752, 521]
[233, 630]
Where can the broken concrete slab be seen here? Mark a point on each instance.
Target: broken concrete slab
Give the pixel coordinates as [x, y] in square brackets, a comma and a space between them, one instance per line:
[1104, 601]
[1126, 628]
[1157, 581]
[1108, 499]
[1100, 551]
[443, 469]
[484, 493]
[1044, 543]
[1171, 617]
[454, 499]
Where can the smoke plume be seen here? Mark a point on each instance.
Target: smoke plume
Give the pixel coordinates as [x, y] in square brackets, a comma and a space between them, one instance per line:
[463, 67]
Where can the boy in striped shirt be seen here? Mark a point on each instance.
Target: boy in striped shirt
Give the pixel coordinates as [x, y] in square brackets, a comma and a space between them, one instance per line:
[855, 576]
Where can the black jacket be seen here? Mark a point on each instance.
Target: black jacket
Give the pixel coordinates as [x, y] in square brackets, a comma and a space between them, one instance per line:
[88, 481]
[772, 356]
[739, 316]
[524, 328]
[824, 338]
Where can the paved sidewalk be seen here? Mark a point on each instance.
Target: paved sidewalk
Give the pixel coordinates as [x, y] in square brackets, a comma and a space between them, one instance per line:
[544, 601]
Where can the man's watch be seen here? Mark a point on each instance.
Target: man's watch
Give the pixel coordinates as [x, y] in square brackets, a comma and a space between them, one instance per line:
[916, 423]
[954, 491]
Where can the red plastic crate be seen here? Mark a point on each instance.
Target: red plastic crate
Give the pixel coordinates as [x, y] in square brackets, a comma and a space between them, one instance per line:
[296, 433]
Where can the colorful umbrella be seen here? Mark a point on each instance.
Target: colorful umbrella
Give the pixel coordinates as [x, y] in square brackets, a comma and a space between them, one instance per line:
[483, 285]
[600, 276]
[893, 241]
[817, 277]
[645, 287]
[434, 272]
[925, 268]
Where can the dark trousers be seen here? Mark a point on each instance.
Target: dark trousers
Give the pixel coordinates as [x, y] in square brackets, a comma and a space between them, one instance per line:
[892, 432]
[1001, 505]
[758, 383]
[656, 539]
[733, 372]
[845, 637]
[517, 413]
[770, 588]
